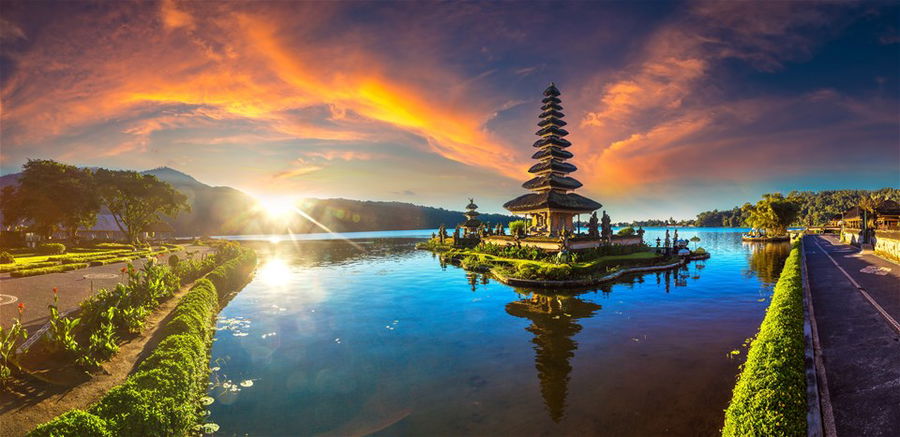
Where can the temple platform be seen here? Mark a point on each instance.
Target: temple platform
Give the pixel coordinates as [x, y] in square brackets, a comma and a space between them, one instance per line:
[552, 244]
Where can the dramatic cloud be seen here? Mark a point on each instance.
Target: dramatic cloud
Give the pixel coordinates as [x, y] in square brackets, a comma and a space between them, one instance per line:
[360, 100]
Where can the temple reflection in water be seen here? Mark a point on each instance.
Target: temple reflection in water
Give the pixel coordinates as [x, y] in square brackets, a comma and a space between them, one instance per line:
[553, 325]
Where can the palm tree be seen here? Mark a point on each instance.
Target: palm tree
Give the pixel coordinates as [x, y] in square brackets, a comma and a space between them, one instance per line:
[870, 204]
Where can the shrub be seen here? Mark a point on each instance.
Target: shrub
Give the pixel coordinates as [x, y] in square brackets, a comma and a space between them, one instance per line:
[527, 270]
[51, 249]
[626, 231]
[46, 270]
[73, 423]
[700, 251]
[13, 267]
[6, 258]
[770, 395]
[518, 227]
[162, 397]
[557, 272]
[173, 261]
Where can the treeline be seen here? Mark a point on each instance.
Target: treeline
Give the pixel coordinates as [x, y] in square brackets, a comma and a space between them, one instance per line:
[52, 196]
[816, 209]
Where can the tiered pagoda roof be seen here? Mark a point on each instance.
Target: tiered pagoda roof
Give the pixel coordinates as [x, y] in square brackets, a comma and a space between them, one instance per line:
[551, 183]
[471, 215]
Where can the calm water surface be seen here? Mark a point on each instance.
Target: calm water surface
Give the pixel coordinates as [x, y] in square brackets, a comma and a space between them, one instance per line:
[376, 338]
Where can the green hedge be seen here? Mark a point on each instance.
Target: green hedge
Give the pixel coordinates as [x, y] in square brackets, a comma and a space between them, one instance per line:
[162, 398]
[770, 396]
[45, 270]
[26, 266]
[50, 249]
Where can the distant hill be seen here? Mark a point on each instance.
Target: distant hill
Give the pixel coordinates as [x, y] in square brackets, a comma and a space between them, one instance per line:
[228, 211]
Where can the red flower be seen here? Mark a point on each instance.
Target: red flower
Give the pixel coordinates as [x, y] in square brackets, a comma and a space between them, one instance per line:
[21, 308]
[55, 290]
[124, 269]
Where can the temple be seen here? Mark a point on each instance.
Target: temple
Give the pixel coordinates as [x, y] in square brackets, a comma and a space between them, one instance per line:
[472, 224]
[553, 204]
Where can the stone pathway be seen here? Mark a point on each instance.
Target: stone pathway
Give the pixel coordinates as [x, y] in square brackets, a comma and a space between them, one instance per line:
[36, 292]
[859, 341]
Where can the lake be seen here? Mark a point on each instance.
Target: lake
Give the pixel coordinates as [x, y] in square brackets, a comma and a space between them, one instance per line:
[371, 337]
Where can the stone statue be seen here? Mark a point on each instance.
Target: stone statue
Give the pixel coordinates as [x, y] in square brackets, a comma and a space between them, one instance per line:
[657, 242]
[594, 226]
[442, 233]
[433, 235]
[456, 235]
[606, 228]
[675, 239]
[563, 240]
[499, 228]
[667, 242]
[640, 232]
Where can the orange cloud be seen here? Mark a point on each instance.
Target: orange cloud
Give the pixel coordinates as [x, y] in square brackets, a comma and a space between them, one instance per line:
[236, 64]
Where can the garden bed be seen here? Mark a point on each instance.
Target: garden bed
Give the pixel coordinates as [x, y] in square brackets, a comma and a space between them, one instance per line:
[52, 371]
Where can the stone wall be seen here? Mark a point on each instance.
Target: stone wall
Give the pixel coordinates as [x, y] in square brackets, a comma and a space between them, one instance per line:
[887, 244]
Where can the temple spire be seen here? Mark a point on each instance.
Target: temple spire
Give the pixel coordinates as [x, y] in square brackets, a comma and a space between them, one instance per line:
[551, 183]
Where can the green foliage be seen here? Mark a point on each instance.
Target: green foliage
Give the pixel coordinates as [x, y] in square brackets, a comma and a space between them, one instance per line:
[138, 201]
[525, 252]
[113, 246]
[555, 272]
[61, 335]
[774, 213]
[162, 398]
[50, 249]
[6, 258]
[51, 196]
[770, 396]
[26, 266]
[9, 340]
[518, 227]
[699, 251]
[102, 344]
[528, 270]
[46, 270]
[626, 231]
[816, 208]
[73, 423]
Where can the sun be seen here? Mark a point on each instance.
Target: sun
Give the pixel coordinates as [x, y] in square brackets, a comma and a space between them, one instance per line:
[276, 208]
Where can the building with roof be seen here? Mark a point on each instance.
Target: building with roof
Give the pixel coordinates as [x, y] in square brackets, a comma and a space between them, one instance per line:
[552, 204]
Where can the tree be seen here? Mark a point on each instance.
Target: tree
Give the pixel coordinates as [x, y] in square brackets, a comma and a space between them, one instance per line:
[871, 203]
[774, 213]
[51, 196]
[138, 201]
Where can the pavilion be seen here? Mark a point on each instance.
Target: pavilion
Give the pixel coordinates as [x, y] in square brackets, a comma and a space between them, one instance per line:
[552, 204]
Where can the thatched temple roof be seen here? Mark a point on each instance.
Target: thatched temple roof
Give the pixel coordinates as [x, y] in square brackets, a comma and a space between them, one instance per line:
[551, 185]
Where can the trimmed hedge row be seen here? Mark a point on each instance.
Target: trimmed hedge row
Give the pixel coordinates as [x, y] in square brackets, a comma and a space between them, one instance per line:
[28, 266]
[45, 270]
[769, 398]
[162, 397]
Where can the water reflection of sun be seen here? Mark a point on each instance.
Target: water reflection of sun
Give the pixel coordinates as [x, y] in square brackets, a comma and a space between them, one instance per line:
[275, 272]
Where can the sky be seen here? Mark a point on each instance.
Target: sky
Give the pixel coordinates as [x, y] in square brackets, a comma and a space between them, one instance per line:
[672, 107]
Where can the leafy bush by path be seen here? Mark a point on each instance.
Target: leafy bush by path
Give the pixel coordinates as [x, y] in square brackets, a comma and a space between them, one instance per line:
[163, 397]
[770, 396]
[51, 249]
[45, 270]
[73, 423]
[6, 258]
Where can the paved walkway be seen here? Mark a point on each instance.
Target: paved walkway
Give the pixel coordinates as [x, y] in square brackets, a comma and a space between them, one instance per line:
[860, 346]
[36, 292]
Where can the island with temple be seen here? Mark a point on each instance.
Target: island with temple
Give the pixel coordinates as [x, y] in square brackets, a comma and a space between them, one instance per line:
[550, 247]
